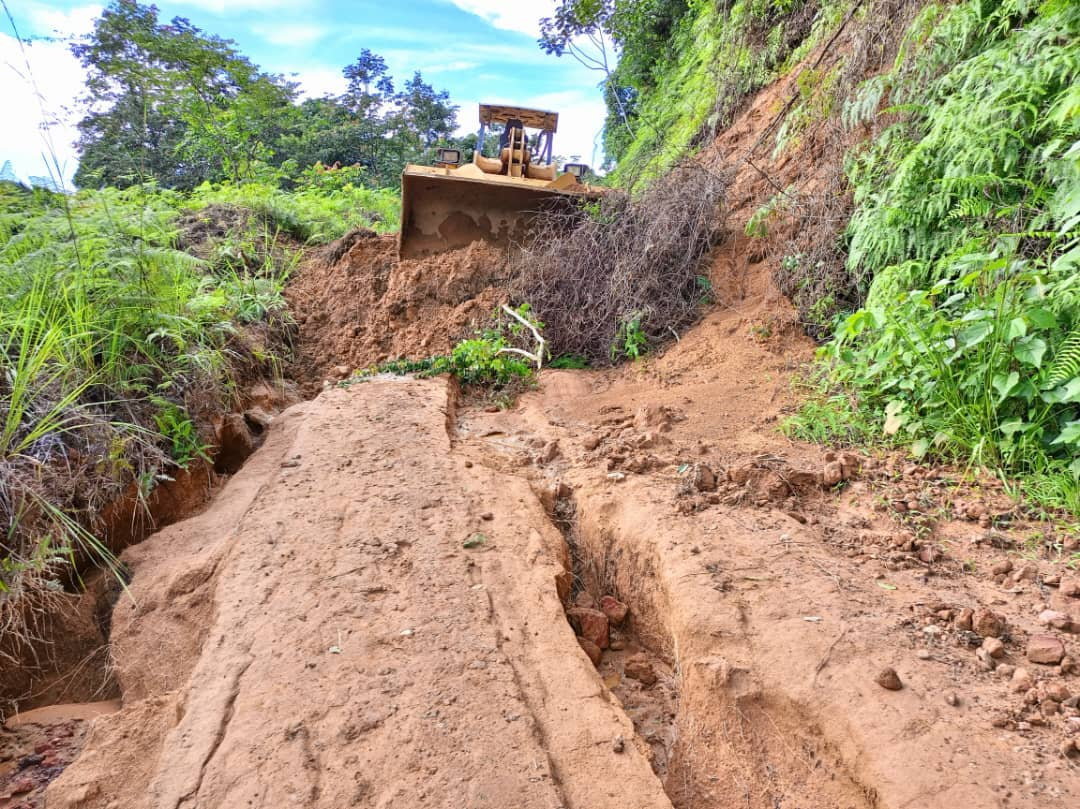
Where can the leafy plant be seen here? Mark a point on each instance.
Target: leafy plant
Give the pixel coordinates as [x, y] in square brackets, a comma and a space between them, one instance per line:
[631, 340]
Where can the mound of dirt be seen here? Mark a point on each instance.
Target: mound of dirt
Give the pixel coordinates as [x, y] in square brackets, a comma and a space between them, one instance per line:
[357, 305]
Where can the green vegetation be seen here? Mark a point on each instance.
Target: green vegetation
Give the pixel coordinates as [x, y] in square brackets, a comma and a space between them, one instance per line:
[685, 67]
[169, 103]
[126, 319]
[498, 357]
[966, 217]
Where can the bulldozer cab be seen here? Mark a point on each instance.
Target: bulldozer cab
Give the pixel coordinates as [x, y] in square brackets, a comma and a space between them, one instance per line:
[496, 196]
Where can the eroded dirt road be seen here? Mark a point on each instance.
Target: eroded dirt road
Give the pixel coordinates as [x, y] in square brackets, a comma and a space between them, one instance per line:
[374, 613]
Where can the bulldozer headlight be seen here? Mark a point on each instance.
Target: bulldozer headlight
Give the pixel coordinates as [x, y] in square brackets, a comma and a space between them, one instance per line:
[450, 157]
[577, 169]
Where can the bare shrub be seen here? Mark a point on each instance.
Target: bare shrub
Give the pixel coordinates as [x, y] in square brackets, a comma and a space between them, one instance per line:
[622, 262]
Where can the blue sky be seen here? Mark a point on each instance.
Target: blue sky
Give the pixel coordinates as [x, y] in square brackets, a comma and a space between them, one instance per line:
[479, 50]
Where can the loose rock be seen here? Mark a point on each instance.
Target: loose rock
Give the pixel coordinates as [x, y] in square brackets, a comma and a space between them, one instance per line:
[993, 647]
[590, 624]
[591, 649]
[639, 668]
[987, 623]
[614, 609]
[1045, 649]
[888, 678]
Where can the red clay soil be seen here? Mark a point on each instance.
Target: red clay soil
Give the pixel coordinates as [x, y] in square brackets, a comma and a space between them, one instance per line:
[357, 305]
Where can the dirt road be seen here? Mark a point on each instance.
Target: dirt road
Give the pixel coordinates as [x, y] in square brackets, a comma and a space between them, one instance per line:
[374, 612]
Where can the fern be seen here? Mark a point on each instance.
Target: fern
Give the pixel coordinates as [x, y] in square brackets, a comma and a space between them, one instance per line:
[1066, 364]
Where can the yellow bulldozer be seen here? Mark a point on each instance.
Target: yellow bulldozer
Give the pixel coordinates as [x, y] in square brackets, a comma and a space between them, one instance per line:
[494, 198]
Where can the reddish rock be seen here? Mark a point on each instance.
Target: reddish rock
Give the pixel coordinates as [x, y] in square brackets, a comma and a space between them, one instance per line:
[987, 623]
[1045, 649]
[888, 678]
[964, 618]
[1070, 586]
[590, 624]
[1058, 620]
[614, 609]
[832, 473]
[639, 668]
[1058, 692]
[21, 786]
[591, 649]
[703, 478]
[1002, 567]
[993, 647]
[1021, 682]
[591, 442]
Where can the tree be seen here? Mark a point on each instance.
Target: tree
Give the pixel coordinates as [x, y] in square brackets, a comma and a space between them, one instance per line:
[167, 102]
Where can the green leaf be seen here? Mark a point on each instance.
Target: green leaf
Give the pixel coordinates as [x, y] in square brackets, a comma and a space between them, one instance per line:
[1042, 318]
[1017, 328]
[1070, 435]
[1030, 350]
[884, 585]
[1004, 385]
[1012, 426]
[974, 334]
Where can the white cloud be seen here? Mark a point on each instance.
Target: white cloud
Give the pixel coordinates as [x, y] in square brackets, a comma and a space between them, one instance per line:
[509, 16]
[60, 22]
[448, 67]
[37, 129]
[316, 82]
[292, 34]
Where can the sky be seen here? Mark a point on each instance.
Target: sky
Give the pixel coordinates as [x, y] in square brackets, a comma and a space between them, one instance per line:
[479, 50]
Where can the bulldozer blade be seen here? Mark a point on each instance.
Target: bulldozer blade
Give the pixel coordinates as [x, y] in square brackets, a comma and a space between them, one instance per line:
[444, 211]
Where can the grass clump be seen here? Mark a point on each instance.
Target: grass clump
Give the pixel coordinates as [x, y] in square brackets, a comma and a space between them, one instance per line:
[117, 346]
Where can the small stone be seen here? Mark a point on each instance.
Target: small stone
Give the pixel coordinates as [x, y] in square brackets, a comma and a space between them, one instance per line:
[1049, 707]
[1021, 682]
[964, 619]
[1002, 567]
[993, 647]
[1058, 692]
[888, 678]
[1070, 586]
[617, 744]
[614, 609]
[923, 654]
[987, 623]
[703, 478]
[21, 786]
[985, 659]
[833, 473]
[952, 699]
[1005, 670]
[1045, 649]
[1027, 572]
[591, 624]
[468, 464]
[591, 442]
[1069, 748]
[591, 649]
[487, 516]
[639, 668]
[550, 452]
[616, 642]
[1056, 619]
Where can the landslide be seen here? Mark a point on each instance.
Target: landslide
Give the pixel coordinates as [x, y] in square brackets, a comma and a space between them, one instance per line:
[357, 305]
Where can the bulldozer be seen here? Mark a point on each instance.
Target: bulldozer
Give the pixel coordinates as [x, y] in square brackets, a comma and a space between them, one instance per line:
[450, 205]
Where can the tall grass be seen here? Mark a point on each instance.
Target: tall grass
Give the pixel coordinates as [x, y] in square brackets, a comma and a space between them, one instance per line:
[115, 345]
